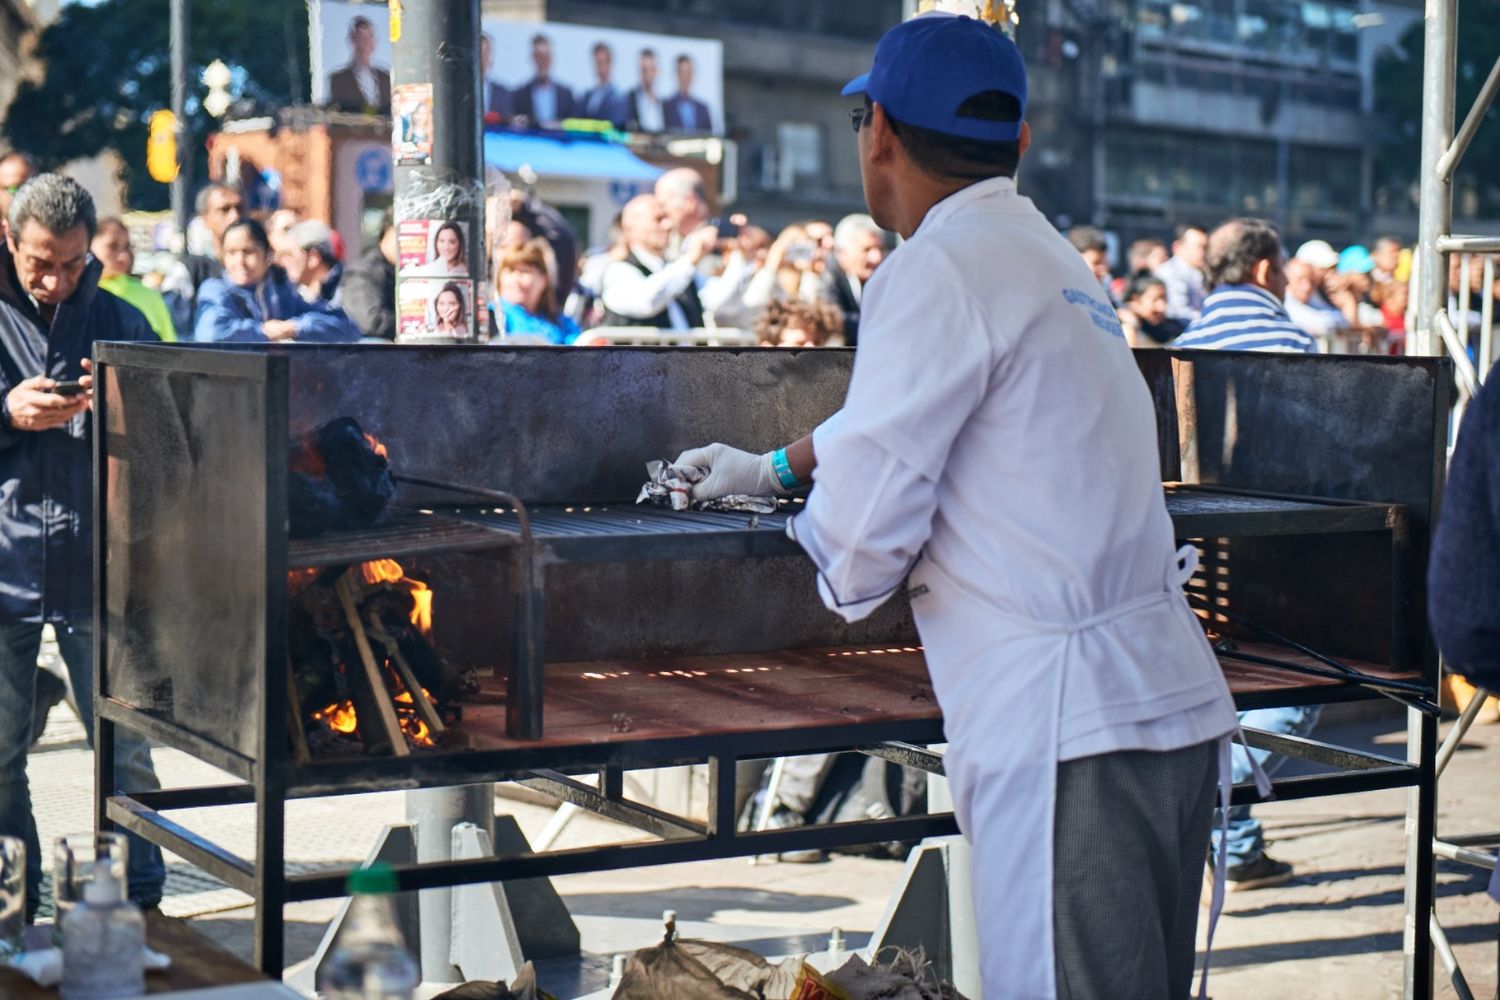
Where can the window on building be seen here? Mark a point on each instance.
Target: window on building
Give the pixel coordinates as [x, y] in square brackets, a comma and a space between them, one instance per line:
[863, 19]
[799, 154]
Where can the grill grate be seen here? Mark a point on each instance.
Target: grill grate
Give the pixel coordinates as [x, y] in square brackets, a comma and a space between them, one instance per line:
[622, 519]
[615, 530]
[402, 534]
[1181, 500]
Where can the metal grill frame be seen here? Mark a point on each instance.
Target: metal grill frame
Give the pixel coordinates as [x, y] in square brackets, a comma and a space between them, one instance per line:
[268, 776]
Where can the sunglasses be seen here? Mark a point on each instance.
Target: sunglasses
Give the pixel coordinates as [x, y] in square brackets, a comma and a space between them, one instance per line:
[859, 116]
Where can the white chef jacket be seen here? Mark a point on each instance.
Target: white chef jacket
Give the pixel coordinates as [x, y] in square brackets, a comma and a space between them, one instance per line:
[999, 444]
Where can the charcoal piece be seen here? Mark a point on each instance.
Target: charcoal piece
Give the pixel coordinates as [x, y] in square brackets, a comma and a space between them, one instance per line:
[440, 678]
[392, 605]
[338, 480]
[317, 680]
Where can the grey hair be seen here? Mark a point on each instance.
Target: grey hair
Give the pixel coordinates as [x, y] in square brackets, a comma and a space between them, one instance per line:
[854, 225]
[54, 202]
[313, 235]
[200, 204]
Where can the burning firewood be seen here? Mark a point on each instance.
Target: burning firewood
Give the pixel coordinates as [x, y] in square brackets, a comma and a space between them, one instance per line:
[385, 709]
[419, 696]
[375, 664]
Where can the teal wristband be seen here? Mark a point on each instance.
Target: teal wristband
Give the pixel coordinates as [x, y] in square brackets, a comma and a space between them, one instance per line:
[783, 469]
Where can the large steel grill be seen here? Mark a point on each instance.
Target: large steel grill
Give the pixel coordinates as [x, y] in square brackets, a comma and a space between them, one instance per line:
[653, 637]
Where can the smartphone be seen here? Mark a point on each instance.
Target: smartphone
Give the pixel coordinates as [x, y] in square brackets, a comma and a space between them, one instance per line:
[728, 228]
[68, 387]
[801, 252]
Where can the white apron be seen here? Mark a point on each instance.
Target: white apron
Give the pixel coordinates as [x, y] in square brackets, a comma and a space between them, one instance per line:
[1000, 681]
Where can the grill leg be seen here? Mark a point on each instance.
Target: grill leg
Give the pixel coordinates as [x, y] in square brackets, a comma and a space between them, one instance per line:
[270, 874]
[1421, 815]
[523, 688]
[721, 818]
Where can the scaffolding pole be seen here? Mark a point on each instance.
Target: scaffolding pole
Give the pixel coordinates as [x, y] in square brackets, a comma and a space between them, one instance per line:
[1438, 331]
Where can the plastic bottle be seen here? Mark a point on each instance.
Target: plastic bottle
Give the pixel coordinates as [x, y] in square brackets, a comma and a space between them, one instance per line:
[104, 942]
[369, 959]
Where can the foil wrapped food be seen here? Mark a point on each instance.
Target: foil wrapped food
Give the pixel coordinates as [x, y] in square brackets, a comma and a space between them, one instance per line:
[669, 485]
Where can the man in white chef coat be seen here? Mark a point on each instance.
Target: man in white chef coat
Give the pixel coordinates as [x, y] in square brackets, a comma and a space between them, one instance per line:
[997, 451]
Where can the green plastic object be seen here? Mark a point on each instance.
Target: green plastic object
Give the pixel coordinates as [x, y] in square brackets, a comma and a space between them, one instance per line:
[372, 880]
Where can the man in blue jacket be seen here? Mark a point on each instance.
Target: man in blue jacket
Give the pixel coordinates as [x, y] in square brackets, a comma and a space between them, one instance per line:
[51, 313]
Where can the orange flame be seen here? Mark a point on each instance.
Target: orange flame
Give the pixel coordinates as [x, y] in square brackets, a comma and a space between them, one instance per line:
[377, 447]
[411, 723]
[390, 571]
[339, 717]
[298, 580]
[308, 460]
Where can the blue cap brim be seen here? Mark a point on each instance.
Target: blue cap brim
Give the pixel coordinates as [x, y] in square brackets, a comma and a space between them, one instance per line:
[858, 85]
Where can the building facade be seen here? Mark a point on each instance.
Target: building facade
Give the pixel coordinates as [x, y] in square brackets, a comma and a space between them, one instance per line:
[1152, 113]
[1145, 113]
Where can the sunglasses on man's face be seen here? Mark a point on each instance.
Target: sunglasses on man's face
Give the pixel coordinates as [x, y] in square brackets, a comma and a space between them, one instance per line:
[859, 116]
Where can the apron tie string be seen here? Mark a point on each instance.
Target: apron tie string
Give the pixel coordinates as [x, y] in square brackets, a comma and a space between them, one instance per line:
[1221, 856]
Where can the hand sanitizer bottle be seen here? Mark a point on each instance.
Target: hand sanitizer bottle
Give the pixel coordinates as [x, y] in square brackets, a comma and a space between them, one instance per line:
[104, 942]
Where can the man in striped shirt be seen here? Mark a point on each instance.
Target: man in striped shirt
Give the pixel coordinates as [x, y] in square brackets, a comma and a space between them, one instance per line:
[1247, 276]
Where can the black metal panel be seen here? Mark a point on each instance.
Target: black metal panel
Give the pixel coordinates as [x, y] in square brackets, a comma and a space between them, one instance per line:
[186, 544]
[564, 424]
[1341, 426]
[629, 611]
[1344, 427]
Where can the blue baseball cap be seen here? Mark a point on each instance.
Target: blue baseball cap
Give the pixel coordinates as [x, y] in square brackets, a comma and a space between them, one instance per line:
[1356, 260]
[925, 68]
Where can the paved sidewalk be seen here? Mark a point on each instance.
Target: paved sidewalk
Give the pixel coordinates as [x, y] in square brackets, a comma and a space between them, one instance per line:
[1333, 933]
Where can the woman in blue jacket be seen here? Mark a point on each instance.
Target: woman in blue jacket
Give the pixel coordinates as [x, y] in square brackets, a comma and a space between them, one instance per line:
[254, 303]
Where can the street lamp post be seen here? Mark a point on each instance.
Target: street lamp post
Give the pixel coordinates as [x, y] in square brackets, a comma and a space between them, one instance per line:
[182, 183]
[439, 167]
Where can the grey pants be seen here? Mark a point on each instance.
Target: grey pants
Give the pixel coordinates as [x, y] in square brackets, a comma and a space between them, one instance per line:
[1131, 838]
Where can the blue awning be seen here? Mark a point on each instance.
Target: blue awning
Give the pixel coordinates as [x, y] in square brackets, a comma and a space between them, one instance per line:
[552, 156]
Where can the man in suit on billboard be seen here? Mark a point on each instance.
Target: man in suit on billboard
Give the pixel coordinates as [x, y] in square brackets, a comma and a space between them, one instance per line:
[647, 113]
[604, 101]
[684, 112]
[361, 86]
[542, 100]
[496, 109]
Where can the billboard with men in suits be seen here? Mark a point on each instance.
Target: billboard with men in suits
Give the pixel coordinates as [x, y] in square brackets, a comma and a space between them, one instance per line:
[536, 74]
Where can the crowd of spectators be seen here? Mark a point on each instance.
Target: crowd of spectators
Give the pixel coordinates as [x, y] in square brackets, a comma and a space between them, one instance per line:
[673, 265]
[1348, 301]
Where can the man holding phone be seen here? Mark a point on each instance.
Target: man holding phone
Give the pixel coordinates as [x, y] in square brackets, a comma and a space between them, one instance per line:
[51, 314]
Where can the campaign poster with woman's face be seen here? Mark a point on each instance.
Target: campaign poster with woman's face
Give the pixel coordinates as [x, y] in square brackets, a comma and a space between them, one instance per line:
[436, 307]
[432, 247]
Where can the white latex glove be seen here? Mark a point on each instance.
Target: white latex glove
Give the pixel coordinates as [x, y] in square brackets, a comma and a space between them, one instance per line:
[731, 471]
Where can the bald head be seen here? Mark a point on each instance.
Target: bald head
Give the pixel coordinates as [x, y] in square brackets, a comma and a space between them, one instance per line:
[1245, 252]
[645, 224]
[685, 197]
[1301, 280]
